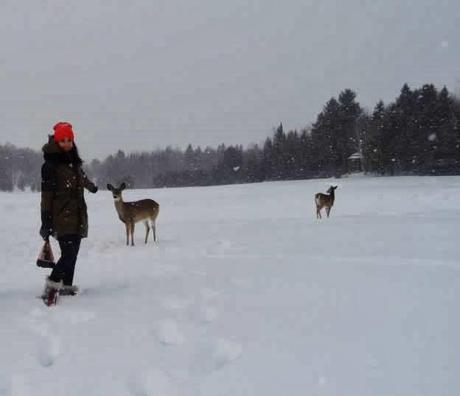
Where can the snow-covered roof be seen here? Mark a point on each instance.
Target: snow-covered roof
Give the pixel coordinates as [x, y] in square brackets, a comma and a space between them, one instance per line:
[355, 156]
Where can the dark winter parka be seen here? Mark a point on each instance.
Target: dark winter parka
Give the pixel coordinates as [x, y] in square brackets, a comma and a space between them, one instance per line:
[63, 206]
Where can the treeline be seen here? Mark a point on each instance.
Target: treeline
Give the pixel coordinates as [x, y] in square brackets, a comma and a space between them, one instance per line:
[19, 168]
[417, 134]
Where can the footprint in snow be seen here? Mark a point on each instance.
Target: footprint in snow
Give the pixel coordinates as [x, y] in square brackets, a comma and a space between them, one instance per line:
[214, 356]
[176, 303]
[48, 342]
[219, 248]
[168, 333]
[17, 386]
[77, 316]
[4, 384]
[208, 294]
[208, 314]
[226, 351]
[240, 282]
[151, 382]
[48, 350]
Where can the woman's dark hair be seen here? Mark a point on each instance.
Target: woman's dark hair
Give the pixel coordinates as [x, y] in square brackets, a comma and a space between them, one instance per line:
[75, 157]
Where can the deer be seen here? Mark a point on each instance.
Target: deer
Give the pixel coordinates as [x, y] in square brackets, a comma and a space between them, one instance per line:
[130, 213]
[325, 201]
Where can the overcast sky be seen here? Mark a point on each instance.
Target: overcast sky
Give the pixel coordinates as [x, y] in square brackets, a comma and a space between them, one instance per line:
[139, 75]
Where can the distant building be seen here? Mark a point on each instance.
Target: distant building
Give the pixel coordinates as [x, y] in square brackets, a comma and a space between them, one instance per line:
[354, 163]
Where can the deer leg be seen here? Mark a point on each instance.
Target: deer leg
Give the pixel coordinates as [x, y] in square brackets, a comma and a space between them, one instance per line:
[147, 230]
[154, 228]
[318, 213]
[132, 233]
[328, 211]
[127, 233]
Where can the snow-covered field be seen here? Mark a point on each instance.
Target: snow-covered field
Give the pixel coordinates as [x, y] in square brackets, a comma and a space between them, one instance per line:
[246, 293]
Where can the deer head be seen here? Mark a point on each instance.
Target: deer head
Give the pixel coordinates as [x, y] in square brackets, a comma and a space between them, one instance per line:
[116, 192]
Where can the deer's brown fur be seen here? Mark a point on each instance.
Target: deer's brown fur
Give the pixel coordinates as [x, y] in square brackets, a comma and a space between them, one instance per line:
[130, 213]
[325, 201]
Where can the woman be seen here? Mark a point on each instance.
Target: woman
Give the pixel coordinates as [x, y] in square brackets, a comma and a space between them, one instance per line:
[63, 207]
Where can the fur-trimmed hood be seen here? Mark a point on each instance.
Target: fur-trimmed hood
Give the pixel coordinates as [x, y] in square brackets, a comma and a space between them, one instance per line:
[53, 153]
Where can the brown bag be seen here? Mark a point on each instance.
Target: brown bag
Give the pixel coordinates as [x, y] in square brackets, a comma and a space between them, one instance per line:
[45, 257]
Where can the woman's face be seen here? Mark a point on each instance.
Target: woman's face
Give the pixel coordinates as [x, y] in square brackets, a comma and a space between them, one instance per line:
[66, 144]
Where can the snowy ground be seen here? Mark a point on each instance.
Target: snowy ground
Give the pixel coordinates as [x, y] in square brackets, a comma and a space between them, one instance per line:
[246, 293]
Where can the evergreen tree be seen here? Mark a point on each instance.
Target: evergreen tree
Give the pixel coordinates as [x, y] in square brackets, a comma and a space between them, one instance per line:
[267, 160]
[324, 131]
[373, 155]
[347, 137]
[279, 157]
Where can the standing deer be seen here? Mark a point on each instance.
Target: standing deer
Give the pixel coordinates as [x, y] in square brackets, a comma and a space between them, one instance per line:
[325, 201]
[132, 212]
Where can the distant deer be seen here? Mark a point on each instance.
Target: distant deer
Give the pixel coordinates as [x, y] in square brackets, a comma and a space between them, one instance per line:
[130, 213]
[325, 201]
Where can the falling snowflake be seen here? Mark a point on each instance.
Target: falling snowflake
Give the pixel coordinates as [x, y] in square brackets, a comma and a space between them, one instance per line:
[432, 137]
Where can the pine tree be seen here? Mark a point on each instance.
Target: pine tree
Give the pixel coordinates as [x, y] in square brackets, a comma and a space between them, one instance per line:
[267, 160]
[373, 155]
[445, 143]
[347, 138]
[279, 157]
[324, 132]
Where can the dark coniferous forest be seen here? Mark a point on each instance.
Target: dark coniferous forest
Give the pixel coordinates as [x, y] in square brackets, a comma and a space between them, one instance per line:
[417, 134]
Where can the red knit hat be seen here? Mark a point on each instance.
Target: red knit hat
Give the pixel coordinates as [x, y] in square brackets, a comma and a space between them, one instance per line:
[63, 130]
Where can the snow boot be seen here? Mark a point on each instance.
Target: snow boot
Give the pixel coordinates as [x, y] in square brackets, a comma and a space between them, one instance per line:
[69, 290]
[51, 291]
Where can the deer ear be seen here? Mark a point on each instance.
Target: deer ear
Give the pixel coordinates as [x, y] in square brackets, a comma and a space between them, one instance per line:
[123, 186]
[335, 187]
[109, 187]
